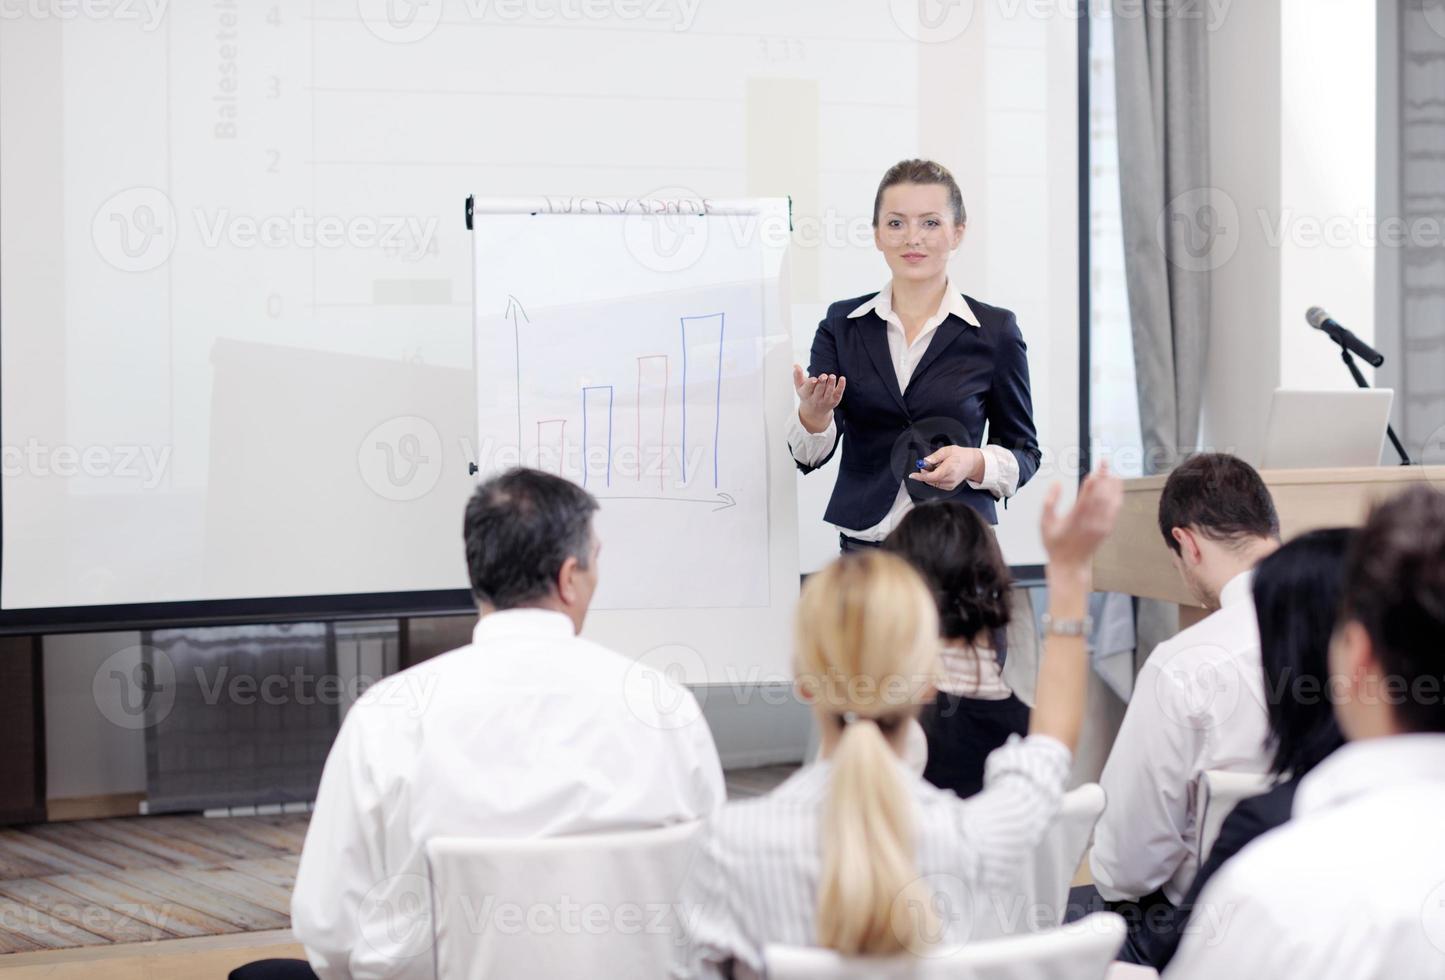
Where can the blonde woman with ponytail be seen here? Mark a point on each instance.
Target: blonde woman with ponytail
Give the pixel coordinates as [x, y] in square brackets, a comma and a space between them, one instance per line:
[856, 852]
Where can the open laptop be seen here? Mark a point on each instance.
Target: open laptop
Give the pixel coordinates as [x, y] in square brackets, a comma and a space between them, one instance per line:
[1313, 429]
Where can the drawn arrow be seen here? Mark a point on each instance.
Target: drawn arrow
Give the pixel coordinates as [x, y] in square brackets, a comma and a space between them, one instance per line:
[725, 500]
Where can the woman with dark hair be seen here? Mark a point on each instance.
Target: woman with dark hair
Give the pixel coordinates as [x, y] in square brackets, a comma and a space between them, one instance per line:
[1297, 595]
[974, 711]
[906, 379]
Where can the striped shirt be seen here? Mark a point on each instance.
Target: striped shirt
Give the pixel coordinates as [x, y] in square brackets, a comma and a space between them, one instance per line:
[756, 880]
[972, 672]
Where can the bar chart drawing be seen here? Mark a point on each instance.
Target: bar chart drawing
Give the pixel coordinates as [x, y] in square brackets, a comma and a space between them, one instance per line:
[654, 405]
[551, 459]
[587, 454]
[704, 323]
[647, 367]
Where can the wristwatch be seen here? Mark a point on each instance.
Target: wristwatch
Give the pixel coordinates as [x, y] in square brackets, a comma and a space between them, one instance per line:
[1068, 627]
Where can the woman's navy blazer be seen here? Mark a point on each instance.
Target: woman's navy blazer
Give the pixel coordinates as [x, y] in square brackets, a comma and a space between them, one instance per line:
[968, 377]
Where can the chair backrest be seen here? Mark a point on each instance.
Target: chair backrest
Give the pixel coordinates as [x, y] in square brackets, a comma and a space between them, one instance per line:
[1216, 794]
[1081, 950]
[1047, 875]
[591, 905]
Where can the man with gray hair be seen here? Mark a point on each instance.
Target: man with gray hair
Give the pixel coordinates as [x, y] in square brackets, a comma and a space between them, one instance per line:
[530, 731]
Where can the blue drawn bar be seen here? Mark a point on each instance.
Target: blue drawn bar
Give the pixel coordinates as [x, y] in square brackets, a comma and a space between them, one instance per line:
[586, 459]
[721, 319]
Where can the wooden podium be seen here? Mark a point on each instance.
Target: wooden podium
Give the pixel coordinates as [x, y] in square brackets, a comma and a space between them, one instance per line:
[1135, 560]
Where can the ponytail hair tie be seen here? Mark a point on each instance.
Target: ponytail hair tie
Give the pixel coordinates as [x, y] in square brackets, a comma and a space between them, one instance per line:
[849, 717]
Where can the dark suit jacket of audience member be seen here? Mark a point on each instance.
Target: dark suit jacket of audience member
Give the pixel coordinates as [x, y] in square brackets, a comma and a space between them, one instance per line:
[1249, 819]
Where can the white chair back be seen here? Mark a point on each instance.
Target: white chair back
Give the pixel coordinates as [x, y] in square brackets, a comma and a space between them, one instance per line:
[1042, 898]
[1217, 793]
[591, 905]
[1081, 950]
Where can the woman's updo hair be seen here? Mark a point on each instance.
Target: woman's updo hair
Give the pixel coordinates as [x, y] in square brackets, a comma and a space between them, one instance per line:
[958, 556]
[921, 172]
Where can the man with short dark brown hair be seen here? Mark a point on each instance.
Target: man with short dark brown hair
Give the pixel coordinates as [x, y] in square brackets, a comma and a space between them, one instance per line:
[1354, 886]
[1198, 702]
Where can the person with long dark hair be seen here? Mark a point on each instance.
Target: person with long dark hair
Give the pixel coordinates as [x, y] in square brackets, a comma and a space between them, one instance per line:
[974, 711]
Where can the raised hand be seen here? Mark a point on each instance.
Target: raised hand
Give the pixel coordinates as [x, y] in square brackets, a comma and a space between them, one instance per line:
[1071, 539]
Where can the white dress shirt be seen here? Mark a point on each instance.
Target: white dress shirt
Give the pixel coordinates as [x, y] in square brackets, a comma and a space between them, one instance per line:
[531, 731]
[756, 879]
[1198, 704]
[1000, 467]
[1352, 888]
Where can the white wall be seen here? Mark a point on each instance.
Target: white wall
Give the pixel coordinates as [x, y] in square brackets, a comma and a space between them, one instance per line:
[1292, 128]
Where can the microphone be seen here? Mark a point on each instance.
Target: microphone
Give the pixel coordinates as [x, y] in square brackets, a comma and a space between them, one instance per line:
[1321, 321]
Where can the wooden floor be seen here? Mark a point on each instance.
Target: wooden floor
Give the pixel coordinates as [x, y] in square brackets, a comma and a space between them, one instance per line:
[140, 879]
[91, 883]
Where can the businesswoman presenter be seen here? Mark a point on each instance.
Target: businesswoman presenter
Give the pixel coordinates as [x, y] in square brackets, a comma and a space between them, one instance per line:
[915, 372]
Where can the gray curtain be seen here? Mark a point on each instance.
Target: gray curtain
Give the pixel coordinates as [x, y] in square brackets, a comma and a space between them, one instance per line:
[1420, 370]
[1170, 213]
[1171, 224]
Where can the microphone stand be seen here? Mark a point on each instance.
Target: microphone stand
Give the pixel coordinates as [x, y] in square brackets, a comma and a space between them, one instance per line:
[1360, 380]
